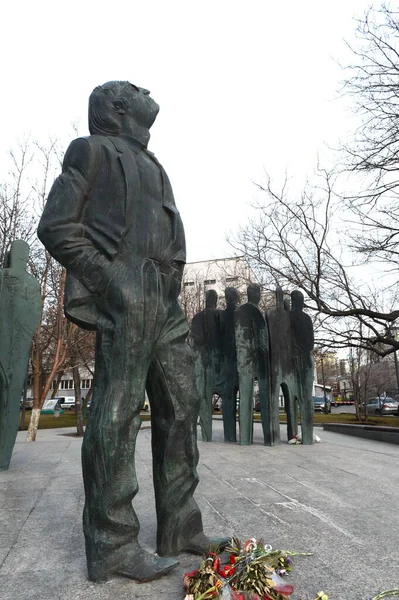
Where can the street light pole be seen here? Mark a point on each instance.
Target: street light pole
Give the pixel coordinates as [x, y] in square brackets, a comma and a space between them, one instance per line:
[324, 385]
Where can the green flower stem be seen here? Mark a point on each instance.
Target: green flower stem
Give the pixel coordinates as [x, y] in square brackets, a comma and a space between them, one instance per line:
[386, 594]
[205, 594]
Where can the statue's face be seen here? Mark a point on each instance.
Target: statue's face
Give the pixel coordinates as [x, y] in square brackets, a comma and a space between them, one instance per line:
[141, 107]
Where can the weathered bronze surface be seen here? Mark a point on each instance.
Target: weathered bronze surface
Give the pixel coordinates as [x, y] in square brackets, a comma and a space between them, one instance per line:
[111, 220]
[206, 342]
[252, 345]
[303, 363]
[228, 386]
[20, 316]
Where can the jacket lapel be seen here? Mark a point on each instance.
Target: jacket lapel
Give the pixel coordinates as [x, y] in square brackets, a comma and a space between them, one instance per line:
[131, 174]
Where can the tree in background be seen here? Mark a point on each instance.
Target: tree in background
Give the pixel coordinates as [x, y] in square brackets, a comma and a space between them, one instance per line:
[295, 241]
[22, 198]
[372, 152]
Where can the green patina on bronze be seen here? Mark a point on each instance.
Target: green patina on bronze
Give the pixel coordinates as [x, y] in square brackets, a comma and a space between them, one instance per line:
[206, 343]
[112, 221]
[20, 315]
[252, 343]
[291, 364]
[238, 346]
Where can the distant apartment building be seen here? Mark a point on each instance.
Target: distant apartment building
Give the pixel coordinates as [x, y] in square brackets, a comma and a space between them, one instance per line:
[66, 386]
[216, 274]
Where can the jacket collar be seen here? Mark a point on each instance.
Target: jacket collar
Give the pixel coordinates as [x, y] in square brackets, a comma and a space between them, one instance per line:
[121, 142]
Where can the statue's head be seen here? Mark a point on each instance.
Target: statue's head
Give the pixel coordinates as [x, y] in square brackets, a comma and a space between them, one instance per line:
[211, 299]
[232, 296]
[116, 105]
[253, 293]
[297, 300]
[17, 257]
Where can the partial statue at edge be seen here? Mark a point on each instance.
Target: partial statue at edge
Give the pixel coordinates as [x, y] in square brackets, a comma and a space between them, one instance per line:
[111, 220]
[19, 317]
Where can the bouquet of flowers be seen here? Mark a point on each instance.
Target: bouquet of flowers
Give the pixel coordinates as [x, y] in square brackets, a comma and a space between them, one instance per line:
[253, 571]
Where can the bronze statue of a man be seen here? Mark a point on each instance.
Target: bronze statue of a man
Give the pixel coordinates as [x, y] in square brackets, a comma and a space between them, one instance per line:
[111, 220]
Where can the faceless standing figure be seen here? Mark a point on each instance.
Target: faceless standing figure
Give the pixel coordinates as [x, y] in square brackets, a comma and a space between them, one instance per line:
[303, 363]
[252, 343]
[229, 378]
[205, 339]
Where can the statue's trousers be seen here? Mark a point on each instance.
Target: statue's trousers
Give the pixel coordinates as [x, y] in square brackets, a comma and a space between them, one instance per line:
[141, 343]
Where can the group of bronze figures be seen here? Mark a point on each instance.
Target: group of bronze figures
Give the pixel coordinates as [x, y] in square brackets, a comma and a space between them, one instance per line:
[238, 346]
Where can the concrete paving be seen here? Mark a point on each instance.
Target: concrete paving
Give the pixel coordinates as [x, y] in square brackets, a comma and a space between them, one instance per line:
[338, 499]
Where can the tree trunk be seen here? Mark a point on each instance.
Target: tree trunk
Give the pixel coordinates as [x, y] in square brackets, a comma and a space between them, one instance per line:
[33, 425]
[58, 383]
[35, 414]
[78, 402]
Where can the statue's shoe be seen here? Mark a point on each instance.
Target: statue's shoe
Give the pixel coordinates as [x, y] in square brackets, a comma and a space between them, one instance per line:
[139, 565]
[200, 544]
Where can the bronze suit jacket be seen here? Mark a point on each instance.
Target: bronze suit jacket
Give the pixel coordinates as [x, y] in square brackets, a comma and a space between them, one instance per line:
[89, 209]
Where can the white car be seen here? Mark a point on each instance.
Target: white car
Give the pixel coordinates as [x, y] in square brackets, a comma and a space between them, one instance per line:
[66, 402]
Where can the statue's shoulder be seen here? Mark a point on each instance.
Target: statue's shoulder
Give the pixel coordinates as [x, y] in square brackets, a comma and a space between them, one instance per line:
[93, 142]
[88, 150]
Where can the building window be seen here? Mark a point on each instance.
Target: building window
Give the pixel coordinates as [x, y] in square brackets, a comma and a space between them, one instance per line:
[67, 384]
[86, 384]
[188, 283]
[209, 281]
[230, 279]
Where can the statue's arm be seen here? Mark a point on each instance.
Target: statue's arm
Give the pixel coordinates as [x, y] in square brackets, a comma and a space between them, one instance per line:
[61, 229]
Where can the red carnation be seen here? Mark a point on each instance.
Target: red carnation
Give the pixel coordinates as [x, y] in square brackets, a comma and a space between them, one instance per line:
[187, 577]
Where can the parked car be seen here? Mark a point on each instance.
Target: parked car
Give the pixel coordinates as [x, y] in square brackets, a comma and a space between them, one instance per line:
[66, 402]
[320, 404]
[380, 406]
[28, 403]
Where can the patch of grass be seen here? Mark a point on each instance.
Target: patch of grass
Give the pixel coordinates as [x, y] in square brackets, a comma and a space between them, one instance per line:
[350, 419]
[67, 419]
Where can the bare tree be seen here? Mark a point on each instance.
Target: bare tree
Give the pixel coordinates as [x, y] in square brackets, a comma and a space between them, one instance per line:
[22, 198]
[373, 84]
[17, 220]
[292, 241]
[372, 152]
[80, 354]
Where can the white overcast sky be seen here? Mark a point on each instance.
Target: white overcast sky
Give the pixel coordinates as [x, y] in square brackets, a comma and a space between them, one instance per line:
[244, 87]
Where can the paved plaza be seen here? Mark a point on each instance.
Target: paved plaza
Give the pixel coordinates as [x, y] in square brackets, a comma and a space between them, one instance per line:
[338, 499]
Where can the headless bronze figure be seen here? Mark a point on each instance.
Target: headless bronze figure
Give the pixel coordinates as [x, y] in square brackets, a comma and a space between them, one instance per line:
[111, 220]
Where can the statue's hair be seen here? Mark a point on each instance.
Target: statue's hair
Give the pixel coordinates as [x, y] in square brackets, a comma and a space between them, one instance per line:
[103, 117]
